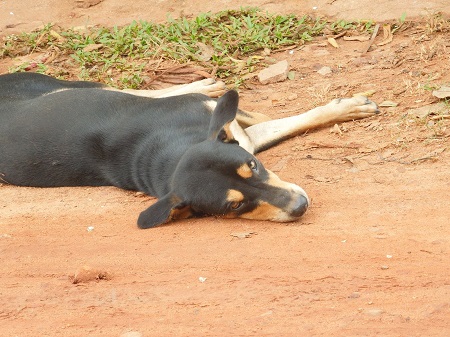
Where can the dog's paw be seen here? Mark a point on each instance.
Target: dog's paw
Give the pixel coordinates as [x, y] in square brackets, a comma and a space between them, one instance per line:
[357, 107]
[208, 86]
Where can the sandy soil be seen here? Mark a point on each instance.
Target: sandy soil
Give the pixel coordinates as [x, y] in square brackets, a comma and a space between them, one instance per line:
[370, 258]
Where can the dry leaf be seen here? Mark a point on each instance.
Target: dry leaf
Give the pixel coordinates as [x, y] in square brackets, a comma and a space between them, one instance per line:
[426, 110]
[372, 38]
[387, 35]
[387, 104]
[333, 42]
[57, 36]
[440, 117]
[242, 235]
[276, 102]
[92, 47]
[442, 92]
[366, 150]
[360, 38]
[367, 93]
[206, 52]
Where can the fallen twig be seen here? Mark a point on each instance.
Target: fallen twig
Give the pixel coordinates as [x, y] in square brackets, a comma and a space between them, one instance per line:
[435, 118]
[372, 38]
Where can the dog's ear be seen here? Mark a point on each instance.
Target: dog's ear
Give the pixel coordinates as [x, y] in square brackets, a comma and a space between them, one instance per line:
[164, 210]
[223, 115]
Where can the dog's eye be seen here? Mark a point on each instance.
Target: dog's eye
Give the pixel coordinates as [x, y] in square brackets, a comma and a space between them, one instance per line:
[252, 164]
[235, 205]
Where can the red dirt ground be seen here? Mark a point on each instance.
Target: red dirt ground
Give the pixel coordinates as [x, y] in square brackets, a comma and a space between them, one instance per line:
[370, 257]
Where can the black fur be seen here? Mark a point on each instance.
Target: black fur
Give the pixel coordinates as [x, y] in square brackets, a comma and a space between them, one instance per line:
[166, 147]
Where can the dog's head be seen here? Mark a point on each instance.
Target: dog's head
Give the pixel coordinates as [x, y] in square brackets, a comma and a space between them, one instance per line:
[218, 177]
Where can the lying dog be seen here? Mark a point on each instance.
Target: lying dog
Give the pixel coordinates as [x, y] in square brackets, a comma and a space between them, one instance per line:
[195, 153]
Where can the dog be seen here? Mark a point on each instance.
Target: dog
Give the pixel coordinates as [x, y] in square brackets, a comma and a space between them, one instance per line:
[196, 154]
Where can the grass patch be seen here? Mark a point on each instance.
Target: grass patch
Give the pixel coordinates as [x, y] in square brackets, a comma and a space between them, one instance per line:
[227, 44]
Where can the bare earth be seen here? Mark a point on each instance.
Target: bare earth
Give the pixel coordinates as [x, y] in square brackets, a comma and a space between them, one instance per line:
[370, 257]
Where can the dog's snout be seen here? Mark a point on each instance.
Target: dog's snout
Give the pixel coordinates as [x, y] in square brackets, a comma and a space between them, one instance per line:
[300, 206]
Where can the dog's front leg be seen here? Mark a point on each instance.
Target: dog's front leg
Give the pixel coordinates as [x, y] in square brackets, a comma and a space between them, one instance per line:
[267, 134]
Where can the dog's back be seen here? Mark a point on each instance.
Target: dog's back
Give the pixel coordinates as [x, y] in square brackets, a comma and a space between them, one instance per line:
[100, 136]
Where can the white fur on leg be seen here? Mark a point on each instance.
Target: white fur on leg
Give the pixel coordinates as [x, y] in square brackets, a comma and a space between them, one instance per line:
[208, 87]
[269, 133]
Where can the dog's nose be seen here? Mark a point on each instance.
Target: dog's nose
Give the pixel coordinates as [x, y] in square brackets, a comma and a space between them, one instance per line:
[300, 206]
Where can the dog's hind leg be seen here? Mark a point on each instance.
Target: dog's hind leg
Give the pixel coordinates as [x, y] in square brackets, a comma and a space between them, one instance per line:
[249, 118]
[208, 86]
[267, 134]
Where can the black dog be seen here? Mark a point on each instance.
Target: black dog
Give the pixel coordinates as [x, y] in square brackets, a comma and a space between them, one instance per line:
[194, 153]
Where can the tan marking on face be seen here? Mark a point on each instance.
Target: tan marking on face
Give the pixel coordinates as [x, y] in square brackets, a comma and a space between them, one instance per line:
[244, 171]
[234, 196]
[264, 211]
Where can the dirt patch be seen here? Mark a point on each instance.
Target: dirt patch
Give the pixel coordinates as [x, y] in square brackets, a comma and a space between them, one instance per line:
[370, 257]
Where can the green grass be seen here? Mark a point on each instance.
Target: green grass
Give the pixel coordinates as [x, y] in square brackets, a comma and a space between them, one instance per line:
[233, 37]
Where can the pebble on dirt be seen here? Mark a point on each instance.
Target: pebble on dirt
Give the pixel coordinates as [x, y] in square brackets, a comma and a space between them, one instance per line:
[443, 92]
[131, 334]
[87, 274]
[374, 312]
[277, 72]
[427, 110]
[325, 71]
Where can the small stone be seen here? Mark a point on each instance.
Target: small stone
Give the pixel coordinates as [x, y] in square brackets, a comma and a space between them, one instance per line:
[374, 312]
[292, 97]
[131, 334]
[325, 71]
[336, 129]
[424, 111]
[87, 274]
[321, 52]
[354, 295]
[267, 313]
[384, 267]
[388, 104]
[277, 72]
[443, 92]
